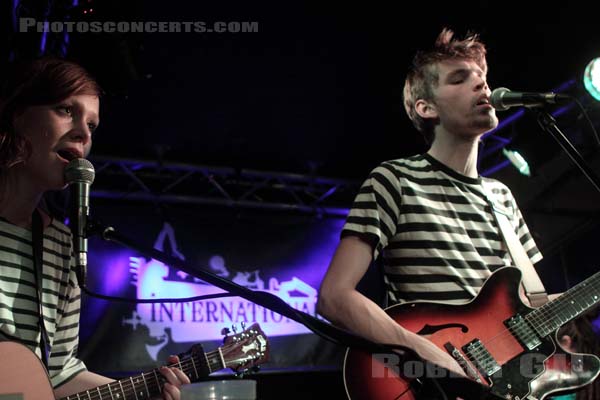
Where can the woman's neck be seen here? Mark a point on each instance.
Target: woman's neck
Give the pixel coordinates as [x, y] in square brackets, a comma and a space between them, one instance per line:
[18, 200]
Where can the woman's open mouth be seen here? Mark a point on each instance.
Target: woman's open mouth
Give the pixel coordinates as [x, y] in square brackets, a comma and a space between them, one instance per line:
[68, 154]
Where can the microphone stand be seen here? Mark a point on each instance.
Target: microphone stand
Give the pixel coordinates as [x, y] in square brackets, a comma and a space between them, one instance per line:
[548, 123]
[469, 389]
[264, 299]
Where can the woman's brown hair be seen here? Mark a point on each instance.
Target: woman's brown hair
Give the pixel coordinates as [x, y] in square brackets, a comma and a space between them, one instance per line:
[44, 81]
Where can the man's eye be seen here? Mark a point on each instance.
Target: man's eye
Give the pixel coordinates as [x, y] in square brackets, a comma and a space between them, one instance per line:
[92, 127]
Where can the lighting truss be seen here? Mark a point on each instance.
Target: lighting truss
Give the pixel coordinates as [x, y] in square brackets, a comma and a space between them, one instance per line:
[170, 182]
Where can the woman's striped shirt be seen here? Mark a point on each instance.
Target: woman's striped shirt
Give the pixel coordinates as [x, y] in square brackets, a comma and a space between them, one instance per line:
[434, 228]
[60, 297]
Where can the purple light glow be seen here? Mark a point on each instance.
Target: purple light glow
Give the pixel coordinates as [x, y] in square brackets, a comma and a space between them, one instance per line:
[43, 42]
[496, 168]
[291, 269]
[312, 263]
[108, 274]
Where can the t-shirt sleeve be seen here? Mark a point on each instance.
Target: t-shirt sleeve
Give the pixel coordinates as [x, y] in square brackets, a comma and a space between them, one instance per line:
[376, 208]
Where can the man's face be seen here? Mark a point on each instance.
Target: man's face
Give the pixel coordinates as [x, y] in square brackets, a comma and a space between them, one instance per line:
[461, 99]
[56, 133]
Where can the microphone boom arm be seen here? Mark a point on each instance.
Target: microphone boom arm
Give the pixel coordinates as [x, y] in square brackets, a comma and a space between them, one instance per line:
[264, 299]
[548, 124]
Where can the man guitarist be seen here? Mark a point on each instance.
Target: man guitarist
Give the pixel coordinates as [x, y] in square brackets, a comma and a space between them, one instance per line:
[48, 112]
[428, 215]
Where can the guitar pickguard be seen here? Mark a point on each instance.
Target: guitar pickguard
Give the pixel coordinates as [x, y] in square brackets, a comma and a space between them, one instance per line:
[565, 372]
[512, 381]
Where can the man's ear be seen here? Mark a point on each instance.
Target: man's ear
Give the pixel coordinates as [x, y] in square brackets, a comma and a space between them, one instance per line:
[425, 109]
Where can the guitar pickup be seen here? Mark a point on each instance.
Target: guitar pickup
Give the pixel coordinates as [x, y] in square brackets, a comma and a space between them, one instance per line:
[523, 332]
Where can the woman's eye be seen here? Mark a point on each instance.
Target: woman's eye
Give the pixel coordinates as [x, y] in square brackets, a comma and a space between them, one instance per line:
[92, 127]
[66, 109]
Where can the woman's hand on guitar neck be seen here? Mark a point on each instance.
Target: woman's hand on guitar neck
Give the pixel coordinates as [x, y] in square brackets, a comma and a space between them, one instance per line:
[175, 378]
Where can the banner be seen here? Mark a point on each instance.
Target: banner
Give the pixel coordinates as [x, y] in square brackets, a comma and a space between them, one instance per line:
[285, 256]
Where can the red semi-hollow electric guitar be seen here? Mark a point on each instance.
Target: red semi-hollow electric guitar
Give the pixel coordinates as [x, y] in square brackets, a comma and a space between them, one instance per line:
[23, 375]
[499, 341]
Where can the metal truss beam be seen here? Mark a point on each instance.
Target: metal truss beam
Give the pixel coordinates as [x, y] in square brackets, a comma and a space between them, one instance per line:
[179, 183]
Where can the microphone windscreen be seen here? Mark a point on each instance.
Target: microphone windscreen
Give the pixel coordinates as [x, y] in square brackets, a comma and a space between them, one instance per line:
[496, 98]
[80, 170]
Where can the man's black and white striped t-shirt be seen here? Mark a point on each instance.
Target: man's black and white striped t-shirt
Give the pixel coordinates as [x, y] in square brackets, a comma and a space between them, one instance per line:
[60, 297]
[434, 228]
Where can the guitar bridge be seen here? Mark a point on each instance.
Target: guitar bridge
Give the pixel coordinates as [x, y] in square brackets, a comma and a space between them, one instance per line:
[481, 357]
[462, 361]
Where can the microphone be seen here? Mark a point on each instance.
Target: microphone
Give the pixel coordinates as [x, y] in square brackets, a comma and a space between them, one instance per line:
[80, 174]
[503, 98]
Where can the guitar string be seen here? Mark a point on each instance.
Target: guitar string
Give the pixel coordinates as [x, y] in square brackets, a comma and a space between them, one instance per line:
[477, 353]
[124, 388]
[545, 310]
[574, 301]
[539, 315]
[158, 380]
[154, 385]
[587, 287]
[550, 308]
[571, 300]
[569, 303]
[127, 388]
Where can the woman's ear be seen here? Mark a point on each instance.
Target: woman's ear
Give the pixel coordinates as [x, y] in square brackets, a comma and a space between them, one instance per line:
[426, 109]
[566, 342]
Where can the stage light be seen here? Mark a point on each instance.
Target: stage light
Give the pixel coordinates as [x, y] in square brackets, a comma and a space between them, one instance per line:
[591, 78]
[517, 161]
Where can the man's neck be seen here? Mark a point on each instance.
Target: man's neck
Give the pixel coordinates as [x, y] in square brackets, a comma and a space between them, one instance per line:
[458, 153]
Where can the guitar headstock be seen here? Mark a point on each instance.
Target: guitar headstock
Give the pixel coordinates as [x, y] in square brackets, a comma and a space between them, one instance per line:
[246, 349]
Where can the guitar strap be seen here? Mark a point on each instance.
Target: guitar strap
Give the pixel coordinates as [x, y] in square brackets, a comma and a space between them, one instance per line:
[534, 288]
[37, 235]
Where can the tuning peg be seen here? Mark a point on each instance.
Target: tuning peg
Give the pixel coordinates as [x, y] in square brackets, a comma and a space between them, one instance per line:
[243, 326]
[234, 329]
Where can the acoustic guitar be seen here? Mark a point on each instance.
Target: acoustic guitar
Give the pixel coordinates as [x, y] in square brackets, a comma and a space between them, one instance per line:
[24, 377]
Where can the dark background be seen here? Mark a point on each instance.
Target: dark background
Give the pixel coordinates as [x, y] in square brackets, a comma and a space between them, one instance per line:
[317, 91]
[317, 88]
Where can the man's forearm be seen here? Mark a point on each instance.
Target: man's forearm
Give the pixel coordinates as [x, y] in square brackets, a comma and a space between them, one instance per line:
[358, 314]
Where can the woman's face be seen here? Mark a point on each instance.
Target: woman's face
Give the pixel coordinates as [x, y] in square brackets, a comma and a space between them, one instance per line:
[57, 134]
